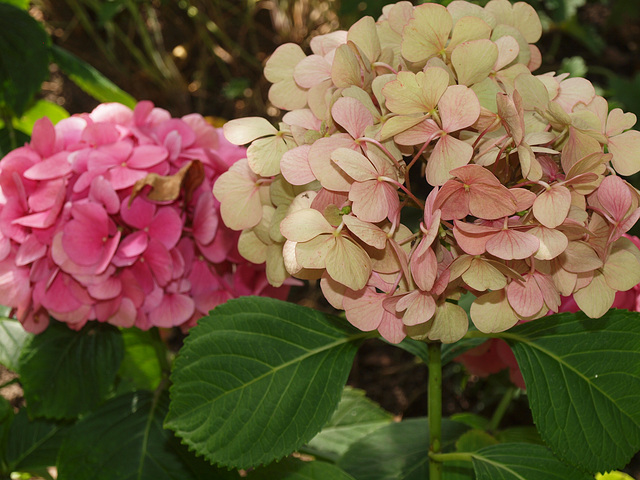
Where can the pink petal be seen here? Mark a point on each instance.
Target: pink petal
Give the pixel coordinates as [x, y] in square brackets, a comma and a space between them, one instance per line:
[205, 220]
[145, 156]
[100, 133]
[459, 107]
[614, 195]
[139, 214]
[525, 297]
[53, 167]
[512, 245]
[352, 115]
[295, 166]
[43, 137]
[174, 309]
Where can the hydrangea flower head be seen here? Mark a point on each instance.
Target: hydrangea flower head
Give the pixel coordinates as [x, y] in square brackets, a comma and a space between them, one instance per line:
[110, 216]
[434, 113]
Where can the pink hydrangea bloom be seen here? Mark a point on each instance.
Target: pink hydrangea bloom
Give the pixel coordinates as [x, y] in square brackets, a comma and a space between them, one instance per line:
[74, 245]
[495, 355]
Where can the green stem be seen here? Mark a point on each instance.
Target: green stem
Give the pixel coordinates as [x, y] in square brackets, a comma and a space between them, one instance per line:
[501, 409]
[435, 410]
[451, 457]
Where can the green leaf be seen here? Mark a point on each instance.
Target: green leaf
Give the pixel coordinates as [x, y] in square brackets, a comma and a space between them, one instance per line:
[583, 383]
[471, 419]
[34, 442]
[89, 79]
[21, 4]
[42, 108]
[294, 469]
[258, 378]
[124, 439]
[355, 417]
[141, 367]
[519, 434]
[399, 451]
[24, 63]
[66, 373]
[474, 440]
[522, 461]
[12, 339]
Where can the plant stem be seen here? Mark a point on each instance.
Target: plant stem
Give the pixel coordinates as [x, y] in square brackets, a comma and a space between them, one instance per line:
[501, 409]
[435, 409]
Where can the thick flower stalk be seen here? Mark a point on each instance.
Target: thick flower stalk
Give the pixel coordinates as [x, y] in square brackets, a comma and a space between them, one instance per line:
[433, 113]
[110, 216]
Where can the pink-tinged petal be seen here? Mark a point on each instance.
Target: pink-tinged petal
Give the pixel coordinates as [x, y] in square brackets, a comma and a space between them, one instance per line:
[621, 271]
[471, 239]
[579, 257]
[112, 112]
[596, 298]
[364, 35]
[373, 201]
[424, 269]
[245, 130]
[123, 177]
[427, 32]
[618, 122]
[324, 169]
[354, 164]
[452, 200]
[391, 328]
[205, 220]
[131, 248]
[525, 296]
[43, 137]
[62, 295]
[55, 166]
[15, 288]
[365, 231]
[139, 214]
[450, 323]
[418, 307]
[573, 91]
[125, 315]
[475, 174]
[223, 243]
[187, 135]
[166, 227]
[449, 153]
[295, 166]
[30, 251]
[85, 236]
[512, 245]
[364, 309]
[312, 70]
[508, 50]
[459, 107]
[146, 156]
[552, 242]
[159, 260]
[46, 196]
[102, 192]
[110, 288]
[352, 115]
[614, 195]
[174, 310]
[102, 133]
[474, 60]
[482, 275]
[552, 206]
[348, 263]
[524, 198]
[491, 312]
[490, 202]
[423, 132]
[549, 291]
[239, 196]
[305, 224]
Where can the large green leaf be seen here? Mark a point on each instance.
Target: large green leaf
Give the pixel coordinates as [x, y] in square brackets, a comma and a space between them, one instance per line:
[355, 417]
[12, 338]
[258, 378]
[583, 383]
[293, 469]
[89, 79]
[522, 461]
[66, 373]
[24, 58]
[400, 451]
[34, 443]
[141, 368]
[124, 439]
